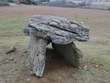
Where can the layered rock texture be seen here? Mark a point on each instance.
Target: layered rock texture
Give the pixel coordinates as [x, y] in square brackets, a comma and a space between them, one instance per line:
[61, 33]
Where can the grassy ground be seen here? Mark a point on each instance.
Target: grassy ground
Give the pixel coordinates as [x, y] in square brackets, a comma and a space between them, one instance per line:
[14, 67]
[98, 7]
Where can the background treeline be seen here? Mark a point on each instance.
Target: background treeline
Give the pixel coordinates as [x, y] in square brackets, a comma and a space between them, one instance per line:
[60, 3]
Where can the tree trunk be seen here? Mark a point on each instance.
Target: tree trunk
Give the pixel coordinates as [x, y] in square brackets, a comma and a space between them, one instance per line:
[36, 55]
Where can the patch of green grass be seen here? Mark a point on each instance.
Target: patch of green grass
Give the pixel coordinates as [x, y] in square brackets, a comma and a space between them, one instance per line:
[11, 25]
[96, 53]
[19, 66]
[97, 50]
[92, 75]
[11, 31]
[100, 7]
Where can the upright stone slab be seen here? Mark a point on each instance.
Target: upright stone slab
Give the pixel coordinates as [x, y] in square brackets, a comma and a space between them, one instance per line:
[36, 55]
[70, 53]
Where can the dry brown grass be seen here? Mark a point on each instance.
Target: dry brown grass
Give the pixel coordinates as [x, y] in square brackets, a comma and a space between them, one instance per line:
[96, 51]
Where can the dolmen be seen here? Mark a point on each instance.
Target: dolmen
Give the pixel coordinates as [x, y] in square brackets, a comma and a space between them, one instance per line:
[44, 29]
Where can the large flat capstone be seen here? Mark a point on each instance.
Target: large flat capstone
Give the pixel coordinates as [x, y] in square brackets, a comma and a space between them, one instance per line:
[56, 29]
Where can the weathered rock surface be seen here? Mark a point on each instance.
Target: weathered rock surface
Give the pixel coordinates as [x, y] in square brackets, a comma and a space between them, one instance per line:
[56, 29]
[36, 55]
[61, 33]
[70, 53]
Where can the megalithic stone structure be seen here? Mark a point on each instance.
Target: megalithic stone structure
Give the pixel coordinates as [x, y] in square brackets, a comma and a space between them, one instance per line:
[70, 53]
[61, 33]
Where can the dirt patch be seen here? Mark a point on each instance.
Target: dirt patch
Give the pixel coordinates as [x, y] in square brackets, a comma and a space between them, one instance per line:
[14, 67]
